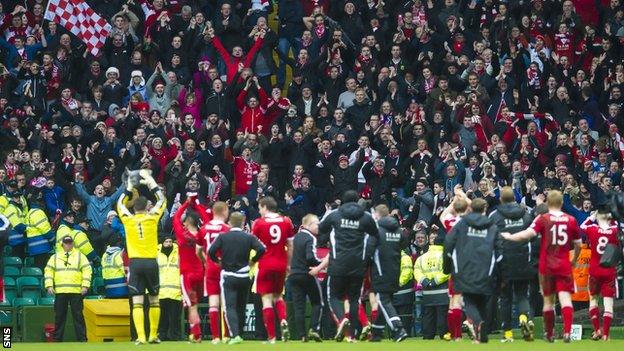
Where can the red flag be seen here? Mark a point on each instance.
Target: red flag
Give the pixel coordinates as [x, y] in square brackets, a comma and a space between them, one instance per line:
[80, 19]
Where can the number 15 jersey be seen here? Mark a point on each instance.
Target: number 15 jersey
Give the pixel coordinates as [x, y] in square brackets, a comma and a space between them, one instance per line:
[557, 231]
[273, 231]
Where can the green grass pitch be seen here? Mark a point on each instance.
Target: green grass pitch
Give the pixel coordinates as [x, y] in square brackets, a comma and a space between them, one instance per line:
[410, 344]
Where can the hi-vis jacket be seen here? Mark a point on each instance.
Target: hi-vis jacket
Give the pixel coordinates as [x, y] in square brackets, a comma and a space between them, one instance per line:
[14, 212]
[81, 241]
[169, 269]
[68, 272]
[38, 232]
[429, 268]
[113, 273]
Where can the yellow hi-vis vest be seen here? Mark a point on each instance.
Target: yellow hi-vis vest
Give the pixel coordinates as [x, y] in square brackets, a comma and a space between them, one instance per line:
[68, 274]
[169, 270]
[38, 232]
[16, 217]
[114, 274]
[81, 241]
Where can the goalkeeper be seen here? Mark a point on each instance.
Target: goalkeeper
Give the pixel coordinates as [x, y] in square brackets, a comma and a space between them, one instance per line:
[142, 245]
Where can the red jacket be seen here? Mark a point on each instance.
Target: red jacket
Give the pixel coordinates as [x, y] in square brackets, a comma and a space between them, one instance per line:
[251, 118]
[244, 173]
[231, 63]
[163, 156]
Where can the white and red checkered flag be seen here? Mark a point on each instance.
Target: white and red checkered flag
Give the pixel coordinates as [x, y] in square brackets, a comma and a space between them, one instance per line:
[80, 19]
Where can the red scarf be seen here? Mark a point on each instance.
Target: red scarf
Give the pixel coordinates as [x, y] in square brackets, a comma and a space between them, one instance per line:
[534, 78]
[364, 60]
[429, 84]
[319, 30]
[217, 181]
[296, 182]
[419, 15]
[11, 169]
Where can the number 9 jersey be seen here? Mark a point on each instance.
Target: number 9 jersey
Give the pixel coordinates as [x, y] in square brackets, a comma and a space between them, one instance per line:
[558, 231]
[273, 231]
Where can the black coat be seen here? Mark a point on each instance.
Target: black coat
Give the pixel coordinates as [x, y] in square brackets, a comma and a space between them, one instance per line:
[347, 228]
[471, 250]
[304, 253]
[386, 266]
[380, 186]
[347, 178]
[519, 258]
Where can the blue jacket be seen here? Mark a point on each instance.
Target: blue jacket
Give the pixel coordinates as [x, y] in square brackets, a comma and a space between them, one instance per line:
[578, 214]
[31, 51]
[54, 199]
[97, 208]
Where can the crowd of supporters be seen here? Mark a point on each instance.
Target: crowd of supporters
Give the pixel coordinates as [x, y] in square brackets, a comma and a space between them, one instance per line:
[303, 100]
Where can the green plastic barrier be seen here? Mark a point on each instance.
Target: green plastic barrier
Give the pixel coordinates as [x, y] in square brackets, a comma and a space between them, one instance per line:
[32, 319]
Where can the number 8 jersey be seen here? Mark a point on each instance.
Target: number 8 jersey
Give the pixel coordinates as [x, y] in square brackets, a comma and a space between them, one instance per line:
[273, 231]
[598, 238]
[557, 232]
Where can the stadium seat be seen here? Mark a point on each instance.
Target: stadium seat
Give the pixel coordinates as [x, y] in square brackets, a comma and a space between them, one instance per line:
[11, 271]
[46, 301]
[29, 287]
[6, 314]
[8, 250]
[23, 301]
[13, 262]
[32, 272]
[29, 261]
[97, 286]
[10, 289]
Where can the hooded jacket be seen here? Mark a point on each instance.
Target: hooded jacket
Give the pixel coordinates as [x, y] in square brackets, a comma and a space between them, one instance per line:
[519, 258]
[386, 267]
[347, 229]
[471, 251]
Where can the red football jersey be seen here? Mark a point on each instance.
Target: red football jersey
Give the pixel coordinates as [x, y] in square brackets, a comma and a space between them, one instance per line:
[557, 231]
[273, 231]
[598, 239]
[449, 222]
[190, 263]
[187, 245]
[208, 233]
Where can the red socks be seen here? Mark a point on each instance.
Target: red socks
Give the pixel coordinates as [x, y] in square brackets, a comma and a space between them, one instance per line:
[362, 315]
[280, 307]
[595, 319]
[549, 322]
[567, 314]
[196, 331]
[606, 323]
[453, 320]
[269, 321]
[450, 315]
[374, 315]
[215, 323]
[458, 322]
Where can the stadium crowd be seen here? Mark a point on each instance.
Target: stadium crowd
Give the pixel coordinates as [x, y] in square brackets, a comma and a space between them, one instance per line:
[406, 102]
